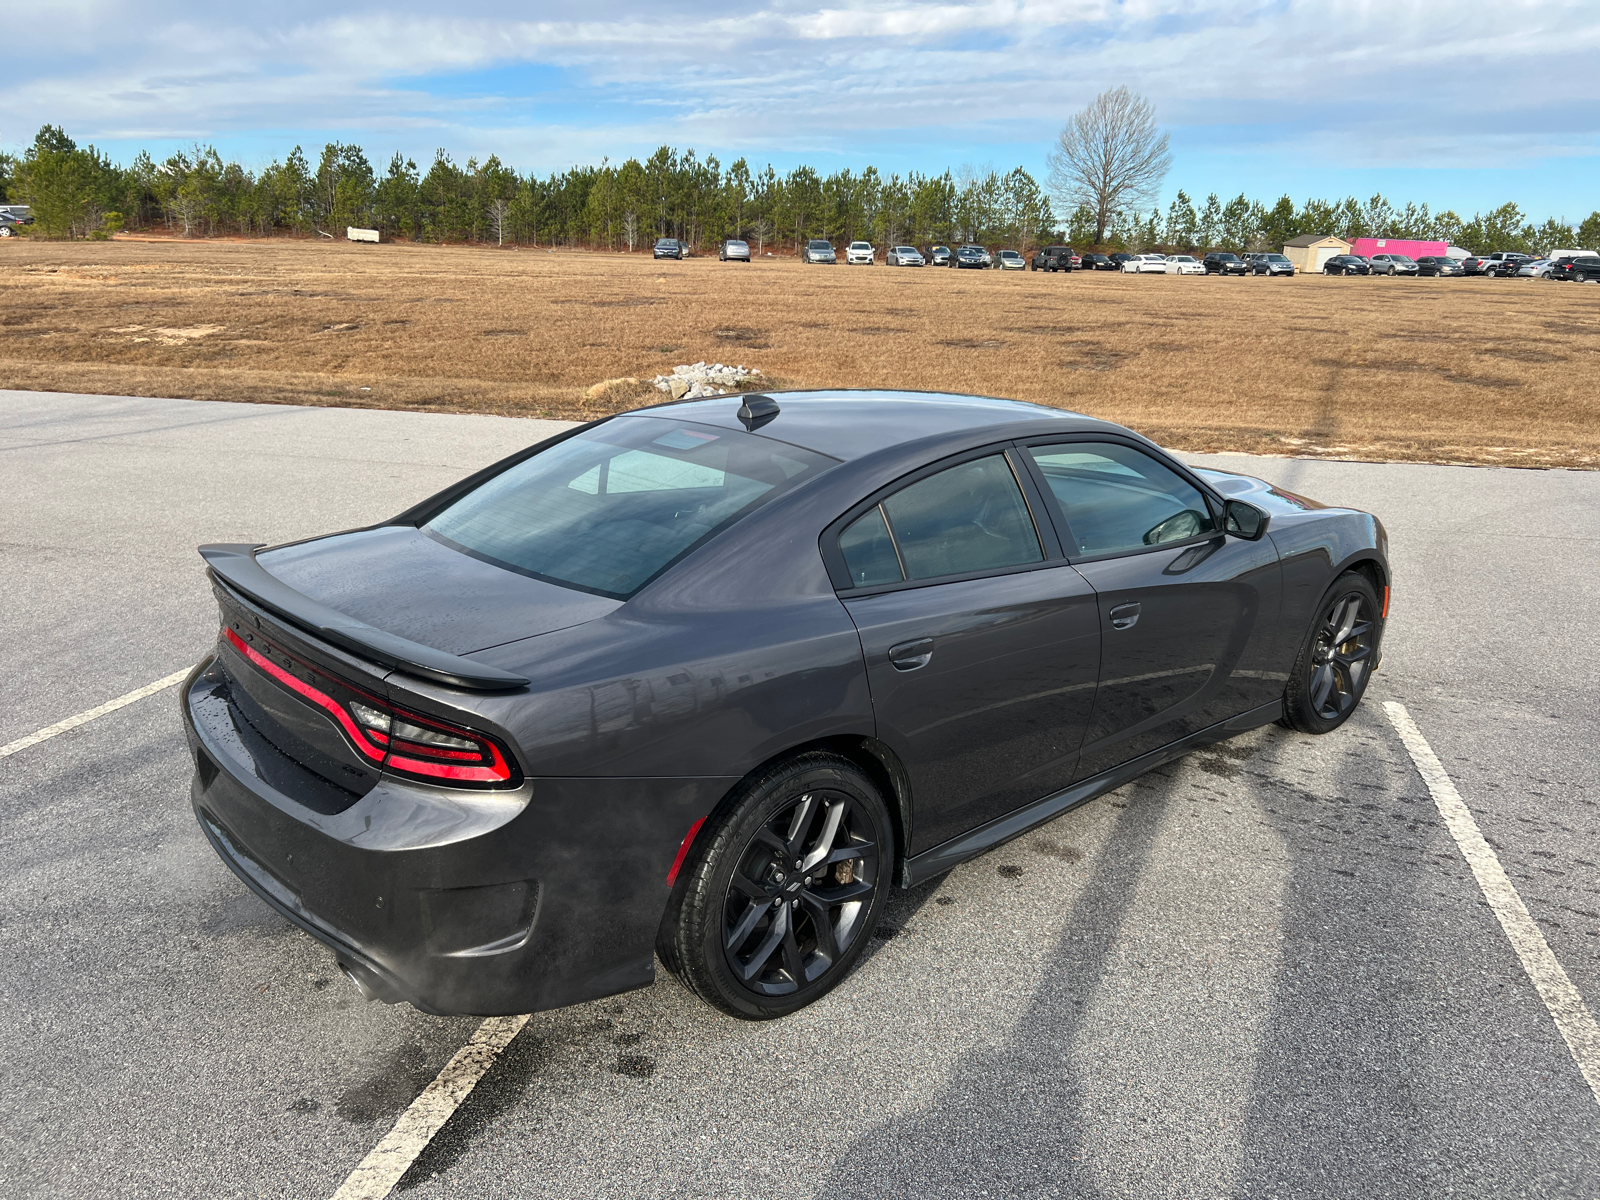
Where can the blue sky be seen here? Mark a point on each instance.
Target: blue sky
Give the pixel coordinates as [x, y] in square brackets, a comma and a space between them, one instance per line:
[1462, 104]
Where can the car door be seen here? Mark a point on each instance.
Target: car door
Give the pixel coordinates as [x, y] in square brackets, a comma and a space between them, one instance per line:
[982, 643]
[1187, 613]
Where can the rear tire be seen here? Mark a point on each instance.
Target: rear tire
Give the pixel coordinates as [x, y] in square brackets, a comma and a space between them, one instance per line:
[1335, 663]
[783, 889]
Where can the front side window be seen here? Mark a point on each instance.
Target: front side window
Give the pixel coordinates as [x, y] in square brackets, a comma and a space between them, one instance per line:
[965, 519]
[608, 510]
[1117, 499]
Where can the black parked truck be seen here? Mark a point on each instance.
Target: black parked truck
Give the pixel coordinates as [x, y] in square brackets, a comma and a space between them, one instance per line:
[1053, 258]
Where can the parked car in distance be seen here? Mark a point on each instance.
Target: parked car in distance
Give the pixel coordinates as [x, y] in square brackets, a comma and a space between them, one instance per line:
[1476, 265]
[1145, 264]
[1535, 268]
[903, 256]
[1096, 262]
[1392, 264]
[733, 249]
[701, 684]
[1439, 265]
[1503, 264]
[669, 248]
[1184, 264]
[1584, 270]
[859, 254]
[1053, 258]
[1346, 264]
[1568, 267]
[1010, 260]
[1269, 264]
[939, 256]
[1221, 262]
[975, 257]
[1120, 259]
[819, 250]
[8, 225]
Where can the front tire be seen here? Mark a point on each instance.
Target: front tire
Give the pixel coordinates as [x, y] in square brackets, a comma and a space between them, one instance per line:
[1335, 664]
[786, 886]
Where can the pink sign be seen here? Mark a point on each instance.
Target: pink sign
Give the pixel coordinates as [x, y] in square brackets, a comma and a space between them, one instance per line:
[1367, 247]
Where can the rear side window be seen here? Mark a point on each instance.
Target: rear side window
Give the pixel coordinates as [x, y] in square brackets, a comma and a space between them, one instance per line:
[1117, 499]
[966, 519]
[608, 510]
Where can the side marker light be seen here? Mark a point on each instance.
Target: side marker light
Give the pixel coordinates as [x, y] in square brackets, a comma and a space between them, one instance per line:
[683, 851]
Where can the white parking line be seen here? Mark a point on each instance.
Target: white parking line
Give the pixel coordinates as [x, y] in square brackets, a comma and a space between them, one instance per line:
[1574, 1020]
[392, 1158]
[83, 718]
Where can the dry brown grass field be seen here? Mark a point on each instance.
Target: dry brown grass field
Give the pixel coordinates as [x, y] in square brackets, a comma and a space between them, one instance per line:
[1459, 370]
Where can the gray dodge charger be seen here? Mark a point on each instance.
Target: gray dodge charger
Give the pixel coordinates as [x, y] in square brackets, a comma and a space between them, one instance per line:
[702, 682]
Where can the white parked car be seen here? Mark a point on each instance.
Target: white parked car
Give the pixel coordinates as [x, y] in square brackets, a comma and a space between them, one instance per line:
[1539, 268]
[904, 256]
[1010, 260]
[1141, 264]
[1184, 264]
[858, 253]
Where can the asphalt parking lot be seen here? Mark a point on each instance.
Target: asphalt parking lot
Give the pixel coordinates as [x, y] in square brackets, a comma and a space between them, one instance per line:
[1264, 971]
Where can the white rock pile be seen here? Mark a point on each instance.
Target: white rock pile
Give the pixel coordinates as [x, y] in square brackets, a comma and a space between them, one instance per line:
[703, 379]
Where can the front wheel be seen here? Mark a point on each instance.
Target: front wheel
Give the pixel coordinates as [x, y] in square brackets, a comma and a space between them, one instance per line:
[1336, 660]
[784, 890]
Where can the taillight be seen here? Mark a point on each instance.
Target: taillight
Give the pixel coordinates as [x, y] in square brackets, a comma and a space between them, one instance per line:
[397, 739]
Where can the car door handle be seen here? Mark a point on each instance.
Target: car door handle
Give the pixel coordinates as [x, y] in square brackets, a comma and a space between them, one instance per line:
[1125, 616]
[908, 656]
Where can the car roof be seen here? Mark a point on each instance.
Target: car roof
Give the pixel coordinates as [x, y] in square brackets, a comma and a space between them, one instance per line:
[847, 424]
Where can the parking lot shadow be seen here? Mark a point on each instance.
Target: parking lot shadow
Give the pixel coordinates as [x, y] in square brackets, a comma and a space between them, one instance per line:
[1009, 1122]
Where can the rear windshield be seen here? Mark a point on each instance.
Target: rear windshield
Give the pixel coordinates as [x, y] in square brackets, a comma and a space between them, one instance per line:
[610, 509]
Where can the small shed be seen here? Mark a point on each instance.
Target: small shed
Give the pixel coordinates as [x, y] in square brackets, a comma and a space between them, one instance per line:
[1310, 250]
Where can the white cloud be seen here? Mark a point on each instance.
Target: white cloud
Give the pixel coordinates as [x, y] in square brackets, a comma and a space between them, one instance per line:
[1413, 81]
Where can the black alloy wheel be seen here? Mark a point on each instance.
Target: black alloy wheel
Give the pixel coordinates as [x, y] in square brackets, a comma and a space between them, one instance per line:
[1336, 662]
[784, 891]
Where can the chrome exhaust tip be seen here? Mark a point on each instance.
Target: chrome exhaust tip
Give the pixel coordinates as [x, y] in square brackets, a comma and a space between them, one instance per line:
[361, 985]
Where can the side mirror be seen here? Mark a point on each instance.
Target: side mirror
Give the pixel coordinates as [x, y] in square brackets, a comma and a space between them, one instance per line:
[1244, 520]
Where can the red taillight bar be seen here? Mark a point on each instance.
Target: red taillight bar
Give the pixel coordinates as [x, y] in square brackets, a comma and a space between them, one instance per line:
[398, 754]
[320, 698]
[1384, 615]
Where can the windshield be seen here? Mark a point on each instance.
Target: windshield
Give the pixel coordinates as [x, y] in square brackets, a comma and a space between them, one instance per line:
[815, 244]
[611, 508]
[736, 242]
[1399, 258]
[861, 245]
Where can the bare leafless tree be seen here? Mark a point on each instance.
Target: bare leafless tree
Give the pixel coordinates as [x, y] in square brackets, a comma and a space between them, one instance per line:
[499, 210]
[1109, 157]
[630, 228]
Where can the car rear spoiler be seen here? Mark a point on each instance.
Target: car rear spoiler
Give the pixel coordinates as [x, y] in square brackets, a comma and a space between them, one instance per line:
[236, 566]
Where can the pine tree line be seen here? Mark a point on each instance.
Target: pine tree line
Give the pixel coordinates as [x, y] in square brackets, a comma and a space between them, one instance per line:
[79, 192]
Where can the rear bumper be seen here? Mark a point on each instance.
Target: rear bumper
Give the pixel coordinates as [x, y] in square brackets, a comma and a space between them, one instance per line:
[486, 902]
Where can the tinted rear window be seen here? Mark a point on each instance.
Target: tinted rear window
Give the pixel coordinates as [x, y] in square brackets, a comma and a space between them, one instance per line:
[610, 509]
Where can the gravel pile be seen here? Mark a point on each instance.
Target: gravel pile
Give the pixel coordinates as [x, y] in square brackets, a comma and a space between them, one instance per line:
[703, 379]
